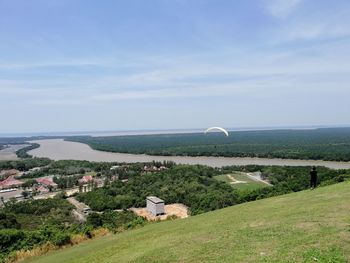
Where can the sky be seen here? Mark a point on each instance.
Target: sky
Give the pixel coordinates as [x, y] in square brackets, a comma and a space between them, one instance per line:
[84, 65]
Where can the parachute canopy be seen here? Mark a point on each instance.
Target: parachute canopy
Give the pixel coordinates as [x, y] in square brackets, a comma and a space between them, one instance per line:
[217, 128]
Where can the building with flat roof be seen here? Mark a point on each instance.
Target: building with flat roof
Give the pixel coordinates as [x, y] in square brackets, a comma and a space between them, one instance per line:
[155, 205]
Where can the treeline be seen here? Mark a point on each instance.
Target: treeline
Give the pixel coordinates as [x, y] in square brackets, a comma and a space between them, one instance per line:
[23, 153]
[325, 144]
[25, 164]
[190, 185]
[26, 225]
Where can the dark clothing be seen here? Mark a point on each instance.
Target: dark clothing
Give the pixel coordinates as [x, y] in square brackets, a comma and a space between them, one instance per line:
[313, 178]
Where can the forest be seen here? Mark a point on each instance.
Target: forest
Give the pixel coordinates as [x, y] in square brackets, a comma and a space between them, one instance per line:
[190, 185]
[331, 144]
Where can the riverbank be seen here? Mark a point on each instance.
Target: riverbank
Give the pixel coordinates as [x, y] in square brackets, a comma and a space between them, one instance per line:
[58, 149]
[9, 153]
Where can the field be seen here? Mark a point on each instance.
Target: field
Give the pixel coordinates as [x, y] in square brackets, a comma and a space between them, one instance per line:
[240, 181]
[308, 226]
[326, 144]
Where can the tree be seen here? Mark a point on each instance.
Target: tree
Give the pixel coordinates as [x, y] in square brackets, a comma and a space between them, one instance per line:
[25, 194]
[8, 221]
[94, 220]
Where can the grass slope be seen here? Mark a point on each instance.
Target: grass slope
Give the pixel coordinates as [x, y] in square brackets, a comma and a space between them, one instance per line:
[309, 226]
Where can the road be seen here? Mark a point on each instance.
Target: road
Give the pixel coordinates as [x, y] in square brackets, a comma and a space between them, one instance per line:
[257, 177]
[79, 209]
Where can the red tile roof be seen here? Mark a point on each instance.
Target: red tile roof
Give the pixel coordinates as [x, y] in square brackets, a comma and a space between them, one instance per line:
[86, 179]
[42, 189]
[9, 182]
[46, 181]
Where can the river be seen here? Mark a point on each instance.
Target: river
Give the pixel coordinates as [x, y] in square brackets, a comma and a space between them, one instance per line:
[58, 149]
[9, 153]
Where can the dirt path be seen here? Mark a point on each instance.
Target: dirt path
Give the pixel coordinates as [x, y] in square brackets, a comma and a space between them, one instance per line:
[234, 180]
[78, 212]
[257, 178]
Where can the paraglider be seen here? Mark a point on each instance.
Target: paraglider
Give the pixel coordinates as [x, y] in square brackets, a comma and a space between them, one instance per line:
[217, 128]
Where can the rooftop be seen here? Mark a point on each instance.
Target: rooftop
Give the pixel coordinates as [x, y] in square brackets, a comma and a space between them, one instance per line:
[46, 181]
[155, 199]
[10, 182]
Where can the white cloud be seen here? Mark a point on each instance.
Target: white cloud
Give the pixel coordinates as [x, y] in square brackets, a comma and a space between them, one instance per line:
[281, 8]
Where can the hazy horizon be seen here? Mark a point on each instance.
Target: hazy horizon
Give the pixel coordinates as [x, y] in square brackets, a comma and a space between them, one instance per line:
[162, 131]
[145, 65]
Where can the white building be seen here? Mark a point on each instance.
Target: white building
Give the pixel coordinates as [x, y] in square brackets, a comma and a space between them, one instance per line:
[155, 205]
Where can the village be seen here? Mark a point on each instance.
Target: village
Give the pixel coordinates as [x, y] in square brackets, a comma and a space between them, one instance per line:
[16, 187]
[12, 187]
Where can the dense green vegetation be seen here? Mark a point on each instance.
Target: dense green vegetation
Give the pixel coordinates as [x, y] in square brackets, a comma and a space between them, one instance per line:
[33, 222]
[190, 185]
[196, 187]
[25, 164]
[23, 153]
[326, 144]
[308, 226]
[25, 225]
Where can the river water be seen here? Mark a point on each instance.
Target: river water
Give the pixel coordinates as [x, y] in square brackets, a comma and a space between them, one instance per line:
[58, 149]
[9, 153]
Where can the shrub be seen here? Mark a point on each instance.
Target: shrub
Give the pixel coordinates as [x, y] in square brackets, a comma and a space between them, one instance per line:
[60, 239]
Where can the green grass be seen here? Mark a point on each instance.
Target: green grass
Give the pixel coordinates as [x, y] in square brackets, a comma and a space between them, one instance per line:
[308, 226]
[249, 185]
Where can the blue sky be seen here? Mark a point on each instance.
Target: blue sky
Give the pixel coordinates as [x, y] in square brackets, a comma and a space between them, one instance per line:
[74, 65]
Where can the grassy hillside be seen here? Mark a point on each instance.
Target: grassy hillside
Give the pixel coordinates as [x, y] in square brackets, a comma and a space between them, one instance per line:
[309, 226]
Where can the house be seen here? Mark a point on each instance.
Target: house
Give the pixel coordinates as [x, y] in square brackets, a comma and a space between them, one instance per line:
[114, 167]
[10, 182]
[7, 173]
[155, 205]
[86, 179]
[35, 169]
[153, 168]
[43, 190]
[46, 182]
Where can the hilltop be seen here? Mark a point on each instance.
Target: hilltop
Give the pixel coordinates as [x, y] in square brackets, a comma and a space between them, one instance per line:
[308, 226]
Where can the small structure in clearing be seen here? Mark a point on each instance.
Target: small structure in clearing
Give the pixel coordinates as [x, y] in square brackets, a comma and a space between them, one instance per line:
[155, 205]
[177, 210]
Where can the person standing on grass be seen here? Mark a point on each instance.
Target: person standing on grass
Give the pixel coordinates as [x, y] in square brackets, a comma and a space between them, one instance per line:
[313, 178]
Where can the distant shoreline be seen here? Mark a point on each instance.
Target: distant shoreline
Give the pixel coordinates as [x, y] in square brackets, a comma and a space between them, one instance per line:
[58, 149]
[162, 131]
